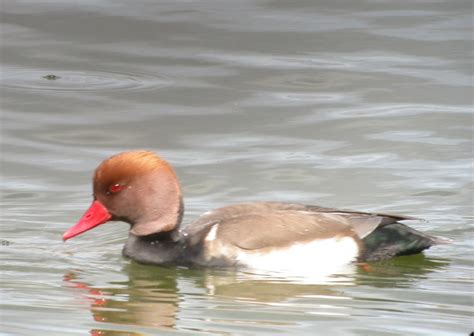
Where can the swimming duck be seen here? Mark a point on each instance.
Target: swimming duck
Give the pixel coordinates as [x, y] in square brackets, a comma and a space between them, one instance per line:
[142, 189]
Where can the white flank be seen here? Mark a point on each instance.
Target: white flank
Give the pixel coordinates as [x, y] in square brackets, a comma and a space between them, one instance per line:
[319, 258]
[212, 233]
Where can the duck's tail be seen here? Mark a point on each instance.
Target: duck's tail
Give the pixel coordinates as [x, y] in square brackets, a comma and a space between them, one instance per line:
[395, 240]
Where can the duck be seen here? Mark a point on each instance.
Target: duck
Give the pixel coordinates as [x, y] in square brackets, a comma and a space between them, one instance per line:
[142, 189]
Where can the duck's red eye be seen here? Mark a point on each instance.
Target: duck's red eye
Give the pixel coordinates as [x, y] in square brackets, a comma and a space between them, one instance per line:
[115, 188]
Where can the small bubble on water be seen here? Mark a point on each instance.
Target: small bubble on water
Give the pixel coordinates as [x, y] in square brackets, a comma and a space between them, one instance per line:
[51, 77]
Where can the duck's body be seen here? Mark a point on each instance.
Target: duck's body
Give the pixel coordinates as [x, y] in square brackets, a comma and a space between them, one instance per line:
[269, 235]
[142, 189]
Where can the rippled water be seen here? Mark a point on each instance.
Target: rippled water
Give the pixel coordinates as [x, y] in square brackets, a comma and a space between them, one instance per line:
[363, 105]
[77, 80]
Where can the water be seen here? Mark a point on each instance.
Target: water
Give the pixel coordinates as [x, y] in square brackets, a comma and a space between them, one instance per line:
[363, 105]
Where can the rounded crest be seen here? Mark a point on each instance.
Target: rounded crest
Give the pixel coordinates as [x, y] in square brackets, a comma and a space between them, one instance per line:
[125, 166]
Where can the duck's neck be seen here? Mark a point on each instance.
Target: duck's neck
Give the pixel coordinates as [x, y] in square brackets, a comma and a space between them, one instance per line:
[157, 205]
[161, 247]
[158, 249]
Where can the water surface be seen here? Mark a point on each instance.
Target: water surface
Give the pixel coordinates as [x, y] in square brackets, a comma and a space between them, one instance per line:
[364, 105]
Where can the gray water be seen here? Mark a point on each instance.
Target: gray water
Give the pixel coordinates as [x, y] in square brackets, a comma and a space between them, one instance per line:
[364, 105]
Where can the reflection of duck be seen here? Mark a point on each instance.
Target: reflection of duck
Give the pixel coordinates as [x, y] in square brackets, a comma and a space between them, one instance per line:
[151, 297]
[400, 272]
[142, 189]
[148, 299]
[396, 272]
[266, 289]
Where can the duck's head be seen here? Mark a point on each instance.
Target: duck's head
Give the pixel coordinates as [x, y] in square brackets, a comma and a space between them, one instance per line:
[136, 187]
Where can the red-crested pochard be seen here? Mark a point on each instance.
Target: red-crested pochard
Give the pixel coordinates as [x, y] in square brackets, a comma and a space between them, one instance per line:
[140, 188]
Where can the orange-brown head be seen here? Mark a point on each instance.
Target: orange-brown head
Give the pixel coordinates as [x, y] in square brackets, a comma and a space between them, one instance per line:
[137, 187]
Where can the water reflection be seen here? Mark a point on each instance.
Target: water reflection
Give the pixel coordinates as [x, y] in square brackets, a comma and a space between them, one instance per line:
[400, 272]
[148, 299]
[155, 297]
